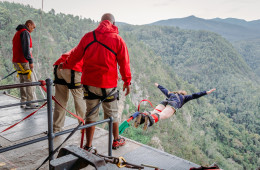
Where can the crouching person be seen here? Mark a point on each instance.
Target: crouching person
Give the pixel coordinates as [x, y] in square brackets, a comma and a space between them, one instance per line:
[65, 80]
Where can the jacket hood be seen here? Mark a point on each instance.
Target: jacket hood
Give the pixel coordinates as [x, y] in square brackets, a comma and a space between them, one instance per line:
[21, 26]
[107, 27]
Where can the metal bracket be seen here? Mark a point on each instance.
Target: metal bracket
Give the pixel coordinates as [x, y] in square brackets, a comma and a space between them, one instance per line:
[74, 158]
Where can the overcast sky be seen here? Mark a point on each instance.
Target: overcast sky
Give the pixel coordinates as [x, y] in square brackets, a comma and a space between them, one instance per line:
[147, 11]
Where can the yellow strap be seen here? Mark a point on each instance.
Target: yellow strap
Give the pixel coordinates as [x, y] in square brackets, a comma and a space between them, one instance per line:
[29, 72]
[110, 97]
[21, 67]
[17, 72]
[77, 84]
[29, 75]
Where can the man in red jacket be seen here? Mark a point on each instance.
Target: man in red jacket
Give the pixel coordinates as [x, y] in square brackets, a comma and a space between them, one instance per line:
[23, 61]
[101, 51]
[67, 79]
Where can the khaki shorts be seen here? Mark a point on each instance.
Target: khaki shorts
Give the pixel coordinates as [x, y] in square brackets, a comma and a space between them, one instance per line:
[66, 75]
[110, 108]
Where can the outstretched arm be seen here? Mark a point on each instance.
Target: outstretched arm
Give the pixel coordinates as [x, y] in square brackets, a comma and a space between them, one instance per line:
[163, 90]
[197, 95]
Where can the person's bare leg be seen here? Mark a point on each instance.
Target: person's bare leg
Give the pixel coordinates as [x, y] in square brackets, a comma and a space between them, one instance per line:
[149, 120]
[116, 130]
[90, 134]
[167, 112]
[158, 107]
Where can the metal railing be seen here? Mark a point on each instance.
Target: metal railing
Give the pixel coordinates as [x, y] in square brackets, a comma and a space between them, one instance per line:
[50, 135]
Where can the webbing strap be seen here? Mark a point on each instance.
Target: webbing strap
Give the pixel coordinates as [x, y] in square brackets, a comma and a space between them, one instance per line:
[92, 96]
[107, 48]
[56, 79]
[23, 71]
[8, 75]
[53, 98]
[71, 85]
[95, 40]
[148, 102]
[131, 118]
[24, 118]
[94, 35]
[104, 94]
[72, 80]
[178, 97]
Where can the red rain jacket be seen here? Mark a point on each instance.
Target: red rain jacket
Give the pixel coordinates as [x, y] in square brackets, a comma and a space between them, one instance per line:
[99, 63]
[62, 59]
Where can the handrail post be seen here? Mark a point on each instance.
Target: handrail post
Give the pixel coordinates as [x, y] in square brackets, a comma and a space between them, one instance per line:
[50, 117]
[110, 140]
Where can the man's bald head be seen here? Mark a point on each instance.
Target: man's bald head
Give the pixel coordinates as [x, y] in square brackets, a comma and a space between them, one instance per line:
[108, 17]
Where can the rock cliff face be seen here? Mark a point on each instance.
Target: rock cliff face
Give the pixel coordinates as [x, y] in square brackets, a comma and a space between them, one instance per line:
[136, 95]
[121, 105]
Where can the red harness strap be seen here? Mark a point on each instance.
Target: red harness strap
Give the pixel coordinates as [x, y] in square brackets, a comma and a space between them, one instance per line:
[148, 102]
[128, 120]
[24, 118]
[53, 98]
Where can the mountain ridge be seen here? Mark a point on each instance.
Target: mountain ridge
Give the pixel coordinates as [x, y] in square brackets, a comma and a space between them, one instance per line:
[229, 28]
[244, 35]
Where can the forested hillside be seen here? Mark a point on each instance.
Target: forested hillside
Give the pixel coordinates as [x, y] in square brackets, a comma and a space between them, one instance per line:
[244, 35]
[223, 127]
[250, 50]
[206, 60]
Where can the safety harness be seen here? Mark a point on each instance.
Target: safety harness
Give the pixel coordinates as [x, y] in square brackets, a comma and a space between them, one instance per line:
[71, 85]
[88, 94]
[178, 97]
[23, 71]
[92, 96]
[95, 40]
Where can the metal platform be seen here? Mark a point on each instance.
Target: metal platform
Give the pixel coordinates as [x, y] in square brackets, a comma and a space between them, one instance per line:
[32, 126]
[31, 156]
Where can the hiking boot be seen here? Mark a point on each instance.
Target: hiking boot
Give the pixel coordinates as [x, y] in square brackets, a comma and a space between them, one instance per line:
[118, 142]
[139, 120]
[32, 106]
[148, 121]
